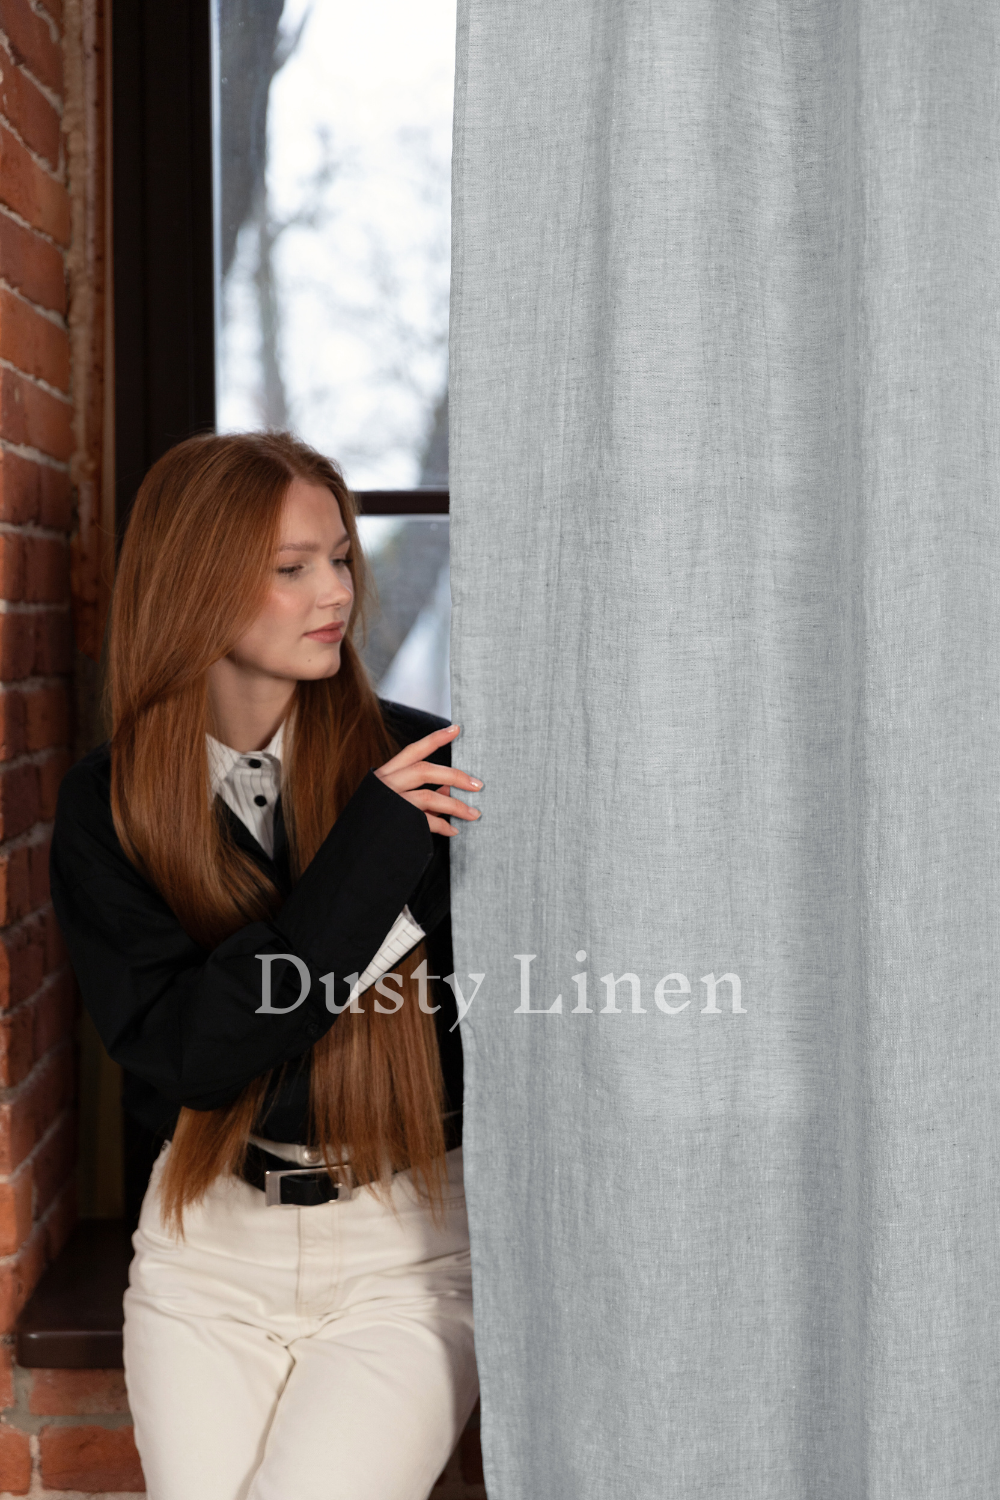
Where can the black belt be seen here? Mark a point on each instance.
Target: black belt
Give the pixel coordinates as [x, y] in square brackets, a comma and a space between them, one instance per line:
[307, 1187]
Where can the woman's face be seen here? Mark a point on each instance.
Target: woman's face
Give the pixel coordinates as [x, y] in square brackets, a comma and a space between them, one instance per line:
[297, 635]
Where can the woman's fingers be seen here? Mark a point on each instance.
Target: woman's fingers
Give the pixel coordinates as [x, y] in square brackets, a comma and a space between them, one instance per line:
[441, 802]
[410, 777]
[408, 773]
[438, 825]
[419, 749]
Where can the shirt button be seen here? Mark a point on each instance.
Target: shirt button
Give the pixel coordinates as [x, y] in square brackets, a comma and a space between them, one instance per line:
[261, 801]
[312, 1028]
[254, 763]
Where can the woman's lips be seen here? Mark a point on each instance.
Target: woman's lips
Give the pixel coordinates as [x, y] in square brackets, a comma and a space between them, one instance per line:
[328, 633]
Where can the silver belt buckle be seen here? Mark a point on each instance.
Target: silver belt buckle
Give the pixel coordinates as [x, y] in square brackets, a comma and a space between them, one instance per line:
[272, 1185]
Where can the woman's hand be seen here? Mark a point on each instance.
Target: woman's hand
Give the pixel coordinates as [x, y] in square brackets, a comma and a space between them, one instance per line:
[407, 772]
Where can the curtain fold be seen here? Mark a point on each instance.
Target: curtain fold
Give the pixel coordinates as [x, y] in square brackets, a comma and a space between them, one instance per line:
[724, 363]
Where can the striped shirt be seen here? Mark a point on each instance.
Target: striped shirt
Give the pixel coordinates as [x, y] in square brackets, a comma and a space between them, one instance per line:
[250, 784]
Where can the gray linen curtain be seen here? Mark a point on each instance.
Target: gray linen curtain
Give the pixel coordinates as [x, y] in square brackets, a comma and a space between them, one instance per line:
[725, 368]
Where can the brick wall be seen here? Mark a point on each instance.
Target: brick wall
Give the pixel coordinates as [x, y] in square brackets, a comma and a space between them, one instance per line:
[37, 997]
[60, 1430]
[67, 1430]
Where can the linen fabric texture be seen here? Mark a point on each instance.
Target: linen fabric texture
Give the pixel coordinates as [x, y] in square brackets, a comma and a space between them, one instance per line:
[725, 551]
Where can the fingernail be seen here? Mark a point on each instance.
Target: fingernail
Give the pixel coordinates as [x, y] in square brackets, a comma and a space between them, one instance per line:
[475, 783]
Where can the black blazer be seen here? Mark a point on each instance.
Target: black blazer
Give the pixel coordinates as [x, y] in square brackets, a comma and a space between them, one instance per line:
[180, 1019]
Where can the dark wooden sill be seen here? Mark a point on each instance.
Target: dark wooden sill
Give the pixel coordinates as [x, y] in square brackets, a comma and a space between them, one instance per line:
[73, 1319]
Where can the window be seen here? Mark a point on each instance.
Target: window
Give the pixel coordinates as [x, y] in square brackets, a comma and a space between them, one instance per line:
[332, 168]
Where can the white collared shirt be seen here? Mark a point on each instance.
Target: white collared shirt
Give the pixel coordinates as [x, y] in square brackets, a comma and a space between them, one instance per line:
[250, 784]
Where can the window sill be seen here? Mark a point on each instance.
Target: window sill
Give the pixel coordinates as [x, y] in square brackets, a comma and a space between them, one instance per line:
[73, 1319]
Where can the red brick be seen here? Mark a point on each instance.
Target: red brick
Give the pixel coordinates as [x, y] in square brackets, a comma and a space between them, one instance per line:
[12, 556]
[32, 44]
[32, 264]
[17, 1043]
[27, 109]
[22, 961]
[32, 416]
[46, 717]
[11, 723]
[18, 799]
[19, 1276]
[43, 1095]
[6, 1375]
[90, 1459]
[15, 1461]
[46, 569]
[31, 491]
[78, 1393]
[17, 1128]
[33, 342]
[17, 645]
[50, 774]
[15, 1210]
[53, 644]
[56, 508]
[38, 873]
[15, 885]
[54, 1013]
[29, 190]
[53, 1163]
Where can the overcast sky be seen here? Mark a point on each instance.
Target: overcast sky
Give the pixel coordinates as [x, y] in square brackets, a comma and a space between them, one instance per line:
[363, 298]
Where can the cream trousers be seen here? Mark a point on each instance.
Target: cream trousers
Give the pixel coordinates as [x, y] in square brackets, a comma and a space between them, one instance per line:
[286, 1353]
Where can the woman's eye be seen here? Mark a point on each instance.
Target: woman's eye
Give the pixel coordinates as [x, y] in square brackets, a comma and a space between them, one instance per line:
[346, 561]
[294, 568]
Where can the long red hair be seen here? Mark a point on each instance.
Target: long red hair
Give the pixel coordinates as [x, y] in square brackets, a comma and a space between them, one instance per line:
[193, 575]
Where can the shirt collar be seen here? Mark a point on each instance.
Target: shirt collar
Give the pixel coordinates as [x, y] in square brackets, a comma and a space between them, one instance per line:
[223, 759]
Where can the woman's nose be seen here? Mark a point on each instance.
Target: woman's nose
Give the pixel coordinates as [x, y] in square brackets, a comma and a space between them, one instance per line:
[339, 587]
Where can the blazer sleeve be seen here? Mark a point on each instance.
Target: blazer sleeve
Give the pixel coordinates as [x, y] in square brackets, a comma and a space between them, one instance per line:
[188, 1020]
[430, 900]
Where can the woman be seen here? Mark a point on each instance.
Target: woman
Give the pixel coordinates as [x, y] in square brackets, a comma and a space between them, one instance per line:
[298, 1320]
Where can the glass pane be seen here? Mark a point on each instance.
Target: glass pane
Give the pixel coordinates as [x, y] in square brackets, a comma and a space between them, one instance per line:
[334, 167]
[333, 175]
[407, 648]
